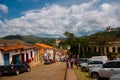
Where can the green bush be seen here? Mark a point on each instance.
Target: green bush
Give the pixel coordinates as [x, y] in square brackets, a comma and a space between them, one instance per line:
[111, 55]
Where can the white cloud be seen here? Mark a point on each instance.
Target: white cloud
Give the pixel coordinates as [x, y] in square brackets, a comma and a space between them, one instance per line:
[54, 20]
[3, 8]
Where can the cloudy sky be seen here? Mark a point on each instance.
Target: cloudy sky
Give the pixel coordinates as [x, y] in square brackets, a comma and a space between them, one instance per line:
[51, 18]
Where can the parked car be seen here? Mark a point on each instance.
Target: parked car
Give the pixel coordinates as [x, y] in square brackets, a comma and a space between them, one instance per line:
[115, 77]
[106, 70]
[53, 61]
[98, 58]
[62, 60]
[48, 61]
[14, 68]
[86, 66]
[83, 60]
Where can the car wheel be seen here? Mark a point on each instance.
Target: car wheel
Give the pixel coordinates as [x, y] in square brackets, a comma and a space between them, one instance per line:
[17, 72]
[95, 75]
[84, 69]
[28, 69]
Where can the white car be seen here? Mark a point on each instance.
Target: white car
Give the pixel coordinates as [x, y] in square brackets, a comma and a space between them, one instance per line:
[115, 77]
[106, 70]
[86, 66]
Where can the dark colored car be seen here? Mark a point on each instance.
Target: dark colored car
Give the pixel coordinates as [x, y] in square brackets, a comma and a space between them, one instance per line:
[48, 61]
[15, 68]
[62, 59]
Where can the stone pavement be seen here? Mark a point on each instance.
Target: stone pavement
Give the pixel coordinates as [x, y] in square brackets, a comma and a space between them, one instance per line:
[70, 74]
[55, 71]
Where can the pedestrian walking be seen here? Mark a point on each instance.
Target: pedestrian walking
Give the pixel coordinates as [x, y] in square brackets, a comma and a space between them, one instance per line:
[71, 62]
[77, 63]
[67, 63]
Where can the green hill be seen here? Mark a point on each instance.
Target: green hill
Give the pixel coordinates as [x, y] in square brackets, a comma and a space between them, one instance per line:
[27, 39]
[110, 36]
[11, 42]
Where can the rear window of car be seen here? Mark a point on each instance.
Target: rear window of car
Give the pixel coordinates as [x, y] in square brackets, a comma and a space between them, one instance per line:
[112, 65]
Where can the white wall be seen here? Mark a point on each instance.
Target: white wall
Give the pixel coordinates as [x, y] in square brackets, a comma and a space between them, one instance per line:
[29, 54]
[50, 51]
[1, 59]
[57, 56]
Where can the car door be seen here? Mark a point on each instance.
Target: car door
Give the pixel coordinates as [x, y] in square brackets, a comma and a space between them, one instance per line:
[6, 69]
[108, 69]
[20, 67]
[117, 67]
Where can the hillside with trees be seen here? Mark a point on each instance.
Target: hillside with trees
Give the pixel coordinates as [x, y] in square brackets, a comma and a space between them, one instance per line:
[30, 39]
[27, 39]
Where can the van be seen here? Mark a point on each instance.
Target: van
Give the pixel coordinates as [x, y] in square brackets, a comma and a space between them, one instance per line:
[98, 58]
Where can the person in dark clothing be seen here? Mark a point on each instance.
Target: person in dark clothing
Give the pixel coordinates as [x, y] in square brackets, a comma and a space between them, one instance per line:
[71, 62]
[77, 63]
[67, 63]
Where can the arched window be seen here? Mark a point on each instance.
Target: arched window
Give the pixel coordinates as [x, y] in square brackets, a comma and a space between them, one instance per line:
[102, 49]
[113, 49]
[107, 49]
[99, 50]
[95, 49]
[118, 50]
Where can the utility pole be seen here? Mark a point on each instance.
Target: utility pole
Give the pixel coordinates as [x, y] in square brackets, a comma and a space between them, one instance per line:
[78, 50]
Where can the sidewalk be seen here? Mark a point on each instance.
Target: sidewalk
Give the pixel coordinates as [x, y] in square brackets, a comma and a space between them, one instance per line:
[70, 75]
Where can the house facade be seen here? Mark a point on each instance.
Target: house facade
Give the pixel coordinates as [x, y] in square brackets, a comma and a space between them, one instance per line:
[46, 51]
[60, 54]
[30, 54]
[9, 54]
[26, 53]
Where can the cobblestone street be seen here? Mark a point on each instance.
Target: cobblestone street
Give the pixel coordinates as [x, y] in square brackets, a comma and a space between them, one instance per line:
[55, 71]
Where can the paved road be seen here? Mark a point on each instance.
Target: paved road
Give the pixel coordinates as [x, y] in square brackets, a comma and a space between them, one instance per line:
[55, 71]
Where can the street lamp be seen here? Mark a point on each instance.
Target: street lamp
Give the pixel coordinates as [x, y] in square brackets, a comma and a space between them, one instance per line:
[68, 50]
[78, 50]
[68, 47]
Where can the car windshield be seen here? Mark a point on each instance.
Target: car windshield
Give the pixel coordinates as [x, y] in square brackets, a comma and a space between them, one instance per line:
[82, 60]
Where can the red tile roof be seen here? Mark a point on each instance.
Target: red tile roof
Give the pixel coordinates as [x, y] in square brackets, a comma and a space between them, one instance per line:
[43, 46]
[30, 46]
[42, 51]
[13, 47]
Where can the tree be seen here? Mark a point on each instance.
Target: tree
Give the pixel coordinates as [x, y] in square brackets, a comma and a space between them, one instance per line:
[71, 41]
[70, 37]
[111, 55]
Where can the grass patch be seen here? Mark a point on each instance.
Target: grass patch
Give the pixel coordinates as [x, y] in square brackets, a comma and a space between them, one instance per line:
[81, 75]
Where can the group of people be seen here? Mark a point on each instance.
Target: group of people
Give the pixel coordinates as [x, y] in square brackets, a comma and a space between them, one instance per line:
[71, 61]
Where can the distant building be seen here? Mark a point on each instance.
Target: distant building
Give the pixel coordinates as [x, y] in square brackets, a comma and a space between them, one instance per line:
[57, 41]
[109, 29]
[110, 47]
